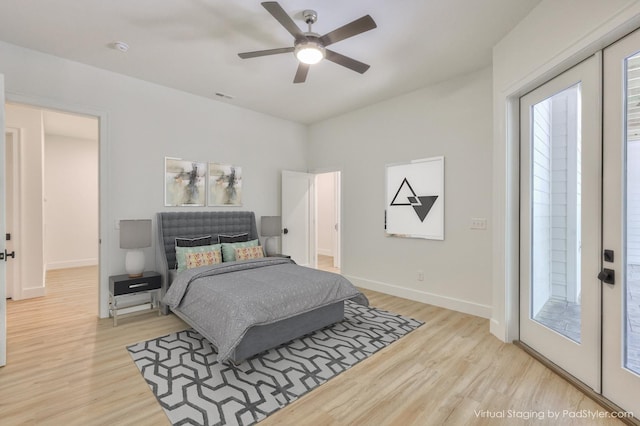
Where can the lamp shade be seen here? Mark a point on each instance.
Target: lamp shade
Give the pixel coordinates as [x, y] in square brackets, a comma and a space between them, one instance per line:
[270, 226]
[135, 234]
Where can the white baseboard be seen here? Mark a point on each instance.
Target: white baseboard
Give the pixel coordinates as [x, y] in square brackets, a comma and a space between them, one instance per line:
[30, 293]
[483, 311]
[497, 330]
[325, 252]
[78, 263]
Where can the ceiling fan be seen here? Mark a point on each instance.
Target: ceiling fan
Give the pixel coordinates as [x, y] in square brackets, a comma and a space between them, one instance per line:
[309, 47]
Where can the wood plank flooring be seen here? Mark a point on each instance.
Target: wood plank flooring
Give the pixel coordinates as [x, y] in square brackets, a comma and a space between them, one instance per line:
[67, 367]
[325, 263]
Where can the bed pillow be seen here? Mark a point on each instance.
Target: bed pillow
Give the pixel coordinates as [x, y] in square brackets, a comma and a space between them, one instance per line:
[195, 260]
[181, 254]
[237, 238]
[246, 253]
[193, 242]
[229, 249]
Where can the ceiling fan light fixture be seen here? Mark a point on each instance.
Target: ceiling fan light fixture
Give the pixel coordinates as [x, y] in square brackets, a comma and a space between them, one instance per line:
[309, 47]
[309, 52]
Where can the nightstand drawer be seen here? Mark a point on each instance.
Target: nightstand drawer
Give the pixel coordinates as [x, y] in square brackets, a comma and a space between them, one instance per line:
[122, 284]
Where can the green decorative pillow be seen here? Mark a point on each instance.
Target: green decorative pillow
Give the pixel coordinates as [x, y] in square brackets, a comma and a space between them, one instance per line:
[181, 254]
[229, 249]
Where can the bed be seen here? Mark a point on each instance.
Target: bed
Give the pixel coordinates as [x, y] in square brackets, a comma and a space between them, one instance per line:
[244, 307]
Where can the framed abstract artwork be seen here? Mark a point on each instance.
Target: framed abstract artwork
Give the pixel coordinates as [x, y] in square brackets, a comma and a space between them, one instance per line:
[184, 182]
[225, 185]
[415, 199]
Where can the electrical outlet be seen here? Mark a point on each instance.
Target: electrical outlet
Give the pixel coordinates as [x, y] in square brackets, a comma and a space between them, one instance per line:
[420, 276]
[479, 223]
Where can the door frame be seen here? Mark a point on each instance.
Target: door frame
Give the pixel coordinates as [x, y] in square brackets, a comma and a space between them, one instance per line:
[505, 322]
[312, 226]
[506, 156]
[16, 206]
[3, 300]
[105, 234]
[337, 254]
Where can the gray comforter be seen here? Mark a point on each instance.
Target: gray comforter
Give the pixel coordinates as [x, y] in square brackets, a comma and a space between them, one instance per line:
[223, 301]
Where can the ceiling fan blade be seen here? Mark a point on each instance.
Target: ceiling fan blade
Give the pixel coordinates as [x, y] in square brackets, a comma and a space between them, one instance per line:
[351, 29]
[285, 20]
[301, 73]
[258, 53]
[346, 61]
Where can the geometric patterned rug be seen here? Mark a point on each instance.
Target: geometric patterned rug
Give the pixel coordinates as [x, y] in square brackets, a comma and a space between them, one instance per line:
[194, 389]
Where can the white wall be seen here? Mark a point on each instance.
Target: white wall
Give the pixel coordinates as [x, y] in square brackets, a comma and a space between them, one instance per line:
[141, 123]
[451, 119]
[553, 37]
[30, 123]
[71, 202]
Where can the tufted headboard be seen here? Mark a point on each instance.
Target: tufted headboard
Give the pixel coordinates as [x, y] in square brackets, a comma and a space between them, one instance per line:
[196, 224]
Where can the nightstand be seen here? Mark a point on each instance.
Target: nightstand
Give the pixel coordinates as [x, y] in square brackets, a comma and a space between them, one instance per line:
[122, 288]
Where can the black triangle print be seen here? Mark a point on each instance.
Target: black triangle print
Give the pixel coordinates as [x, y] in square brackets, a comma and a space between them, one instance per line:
[404, 182]
[425, 207]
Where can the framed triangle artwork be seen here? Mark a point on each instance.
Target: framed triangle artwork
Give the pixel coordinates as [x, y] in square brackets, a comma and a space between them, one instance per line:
[415, 199]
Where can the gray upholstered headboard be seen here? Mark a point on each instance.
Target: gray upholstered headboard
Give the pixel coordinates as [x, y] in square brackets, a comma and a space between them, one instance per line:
[196, 224]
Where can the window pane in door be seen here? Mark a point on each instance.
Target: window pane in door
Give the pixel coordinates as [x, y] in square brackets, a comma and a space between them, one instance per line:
[631, 282]
[556, 210]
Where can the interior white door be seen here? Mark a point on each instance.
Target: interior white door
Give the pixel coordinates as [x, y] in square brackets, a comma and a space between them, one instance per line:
[560, 214]
[12, 212]
[297, 216]
[621, 223]
[3, 300]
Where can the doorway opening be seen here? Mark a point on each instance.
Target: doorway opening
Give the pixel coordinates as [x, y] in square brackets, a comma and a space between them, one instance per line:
[55, 160]
[311, 215]
[328, 221]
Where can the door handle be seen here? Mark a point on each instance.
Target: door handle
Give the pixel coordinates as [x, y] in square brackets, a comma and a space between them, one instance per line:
[285, 231]
[5, 256]
[607, 276]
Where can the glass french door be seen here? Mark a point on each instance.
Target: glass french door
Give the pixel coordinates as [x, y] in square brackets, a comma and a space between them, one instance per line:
[580, 222]
[560, 219]
[621, 224]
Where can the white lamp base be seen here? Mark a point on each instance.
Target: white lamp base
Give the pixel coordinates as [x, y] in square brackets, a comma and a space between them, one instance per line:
[270, 248]
[134, 263]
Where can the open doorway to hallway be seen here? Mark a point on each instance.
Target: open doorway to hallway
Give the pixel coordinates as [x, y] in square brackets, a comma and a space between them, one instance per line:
[57, 167]
[328, 221]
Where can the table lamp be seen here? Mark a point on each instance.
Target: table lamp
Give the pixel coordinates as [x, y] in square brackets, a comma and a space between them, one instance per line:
[135, 235]
[270, 226]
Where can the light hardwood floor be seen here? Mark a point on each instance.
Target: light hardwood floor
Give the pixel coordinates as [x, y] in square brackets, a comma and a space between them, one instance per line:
[67, 367]
[325, 263]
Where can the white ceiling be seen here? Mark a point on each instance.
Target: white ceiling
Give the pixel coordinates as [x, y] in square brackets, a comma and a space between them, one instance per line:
[192, 45]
